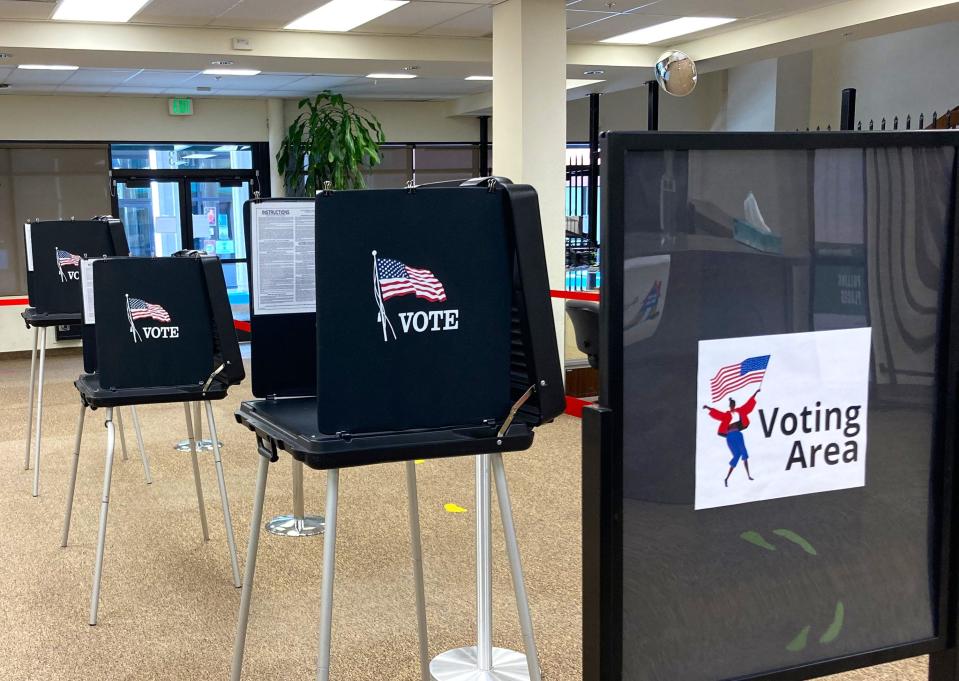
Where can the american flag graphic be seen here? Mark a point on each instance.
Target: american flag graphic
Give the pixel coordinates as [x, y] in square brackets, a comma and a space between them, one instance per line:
[67, 258]
[140, 309]
[733, 377]
[397, 279]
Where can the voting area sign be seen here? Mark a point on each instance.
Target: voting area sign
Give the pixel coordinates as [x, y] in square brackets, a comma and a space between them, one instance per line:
[769, 474]
[781, 415]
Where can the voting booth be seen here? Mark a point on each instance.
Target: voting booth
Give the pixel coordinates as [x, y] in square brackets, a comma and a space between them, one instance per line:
[157, 330]
[53, 251]
[769, 473]
[433, 338]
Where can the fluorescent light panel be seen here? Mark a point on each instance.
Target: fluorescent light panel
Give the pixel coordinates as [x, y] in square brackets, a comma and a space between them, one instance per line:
[230, 72]
[98, 10]
[344, 15]
[667, 30]
[478, 78]
[47, 67]
[581, 82]
[398, 76]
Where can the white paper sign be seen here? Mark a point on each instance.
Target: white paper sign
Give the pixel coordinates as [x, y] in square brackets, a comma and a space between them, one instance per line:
[86, 285]
[284, 271]
[28, 240]
[804, 431]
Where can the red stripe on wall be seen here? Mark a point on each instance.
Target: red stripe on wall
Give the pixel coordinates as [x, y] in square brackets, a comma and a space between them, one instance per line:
[14, 301]
[575, 295]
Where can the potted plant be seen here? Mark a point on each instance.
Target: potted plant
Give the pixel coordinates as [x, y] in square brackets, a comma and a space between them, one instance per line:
[330, 140]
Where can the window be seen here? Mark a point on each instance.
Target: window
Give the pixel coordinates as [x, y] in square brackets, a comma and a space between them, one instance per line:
[46, 182]
[181, 156]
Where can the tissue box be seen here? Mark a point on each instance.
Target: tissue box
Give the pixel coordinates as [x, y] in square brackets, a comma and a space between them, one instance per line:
[745, 233]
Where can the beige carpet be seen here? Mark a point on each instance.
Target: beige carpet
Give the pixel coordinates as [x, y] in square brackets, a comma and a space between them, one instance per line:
[168, 609]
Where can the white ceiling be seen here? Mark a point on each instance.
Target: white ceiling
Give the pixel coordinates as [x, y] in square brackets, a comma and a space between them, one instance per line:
[160, 70]
[587, 20]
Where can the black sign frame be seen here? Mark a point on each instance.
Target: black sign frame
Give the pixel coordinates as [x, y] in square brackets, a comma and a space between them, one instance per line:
[603, 424]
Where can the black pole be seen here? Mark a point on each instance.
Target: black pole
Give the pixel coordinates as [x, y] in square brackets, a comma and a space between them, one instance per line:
[652, 105]
[484, 146]
[593, 190]
[847, 117]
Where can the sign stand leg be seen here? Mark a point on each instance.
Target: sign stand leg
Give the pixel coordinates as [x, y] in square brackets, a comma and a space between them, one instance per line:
[297, 524]
[482, 662]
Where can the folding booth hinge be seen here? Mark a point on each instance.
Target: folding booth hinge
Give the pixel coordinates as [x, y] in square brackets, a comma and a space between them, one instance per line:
[491, 185]
[410, 187]
[211, 377]
[513, 411]
[327, 188]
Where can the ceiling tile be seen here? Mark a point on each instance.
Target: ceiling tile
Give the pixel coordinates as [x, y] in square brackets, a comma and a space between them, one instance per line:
[160, 79]
[182, 12]
[111, 77]
[415, 16]
[616, 26]
[124, 90]
[34, 78]
[265, 13]
[318, 83]
[473, 24]
[26, 9]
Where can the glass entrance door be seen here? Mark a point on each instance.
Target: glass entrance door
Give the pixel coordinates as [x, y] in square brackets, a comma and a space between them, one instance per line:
[216, 226]
[150, 212]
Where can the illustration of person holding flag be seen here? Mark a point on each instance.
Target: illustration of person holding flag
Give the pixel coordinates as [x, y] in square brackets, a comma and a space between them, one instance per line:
[733, 422]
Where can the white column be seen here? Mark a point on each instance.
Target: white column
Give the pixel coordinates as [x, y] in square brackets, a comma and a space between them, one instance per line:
[529, 117]
[276, 123]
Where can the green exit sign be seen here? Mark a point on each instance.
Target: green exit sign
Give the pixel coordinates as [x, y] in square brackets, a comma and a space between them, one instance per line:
[181, 106]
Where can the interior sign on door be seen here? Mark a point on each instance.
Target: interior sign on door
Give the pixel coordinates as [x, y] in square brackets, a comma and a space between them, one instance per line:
[781, 415]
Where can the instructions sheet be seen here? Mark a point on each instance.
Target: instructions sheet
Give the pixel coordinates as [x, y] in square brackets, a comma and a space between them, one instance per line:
[86, 285]
[284, 271]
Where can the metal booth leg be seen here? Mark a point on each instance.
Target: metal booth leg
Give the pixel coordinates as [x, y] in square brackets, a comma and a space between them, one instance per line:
[329, 564]
[417, 547]
[297, 524]
[33, 383]
[196, 472]
[73, 475]
[200, 444]
[483, 662]
[224, 500]
[123, 437]
[104, 509]
[246, 595]
[143, 452]
[36, 444]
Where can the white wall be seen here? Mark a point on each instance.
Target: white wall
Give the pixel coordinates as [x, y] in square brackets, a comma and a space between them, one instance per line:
[751, 96]
[626, 109]
[896, 74]
[405, 121]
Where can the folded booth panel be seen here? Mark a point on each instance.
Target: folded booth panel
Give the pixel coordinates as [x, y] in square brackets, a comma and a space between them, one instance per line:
[54, 250]
[153, 322]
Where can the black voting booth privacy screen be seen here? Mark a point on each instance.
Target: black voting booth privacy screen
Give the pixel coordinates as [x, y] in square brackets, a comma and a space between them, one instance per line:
[153, 322]
[283, 356]
[799, 586]
[414, 309]
[53, 273]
